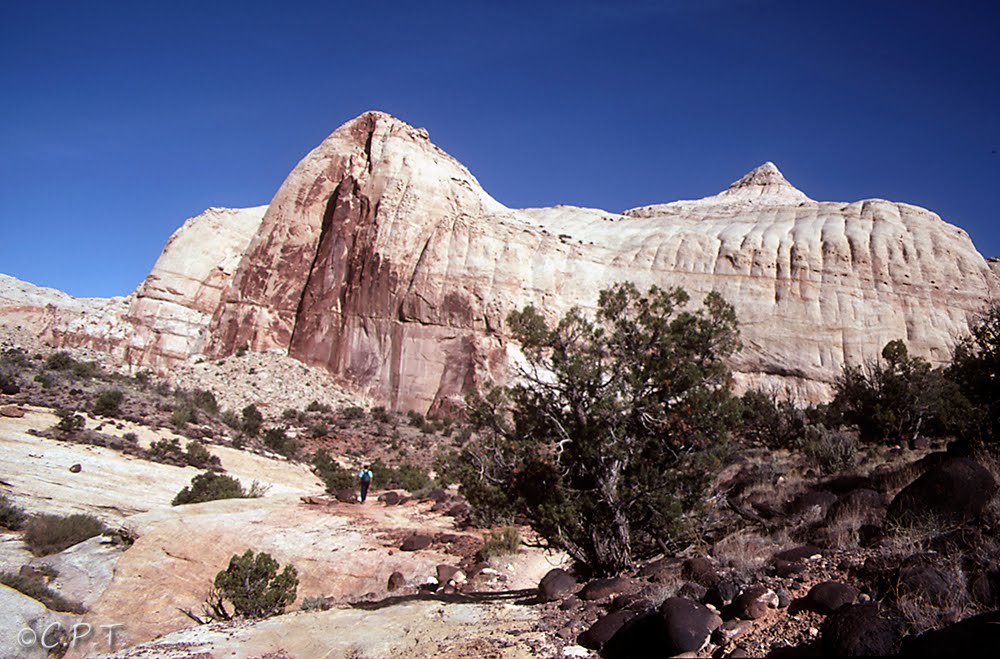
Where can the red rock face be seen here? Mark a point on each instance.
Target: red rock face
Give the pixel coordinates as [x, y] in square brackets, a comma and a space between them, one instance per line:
[382, 260]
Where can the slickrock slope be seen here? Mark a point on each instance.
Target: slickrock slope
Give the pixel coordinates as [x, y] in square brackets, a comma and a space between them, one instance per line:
[160, 324]
[173, 305]
[382, 259]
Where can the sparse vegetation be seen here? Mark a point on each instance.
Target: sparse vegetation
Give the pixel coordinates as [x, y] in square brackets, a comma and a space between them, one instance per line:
[502, 542]
[277, 440]
[210, 486]
[406, 476]
[254, 587]
[589, 445]
[50, 534]
[36, 589]
[109, 403]
[252, 420]
[335, 477]
[12, 516]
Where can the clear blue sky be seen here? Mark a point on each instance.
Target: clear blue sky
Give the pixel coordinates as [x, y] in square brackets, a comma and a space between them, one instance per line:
[118, 120]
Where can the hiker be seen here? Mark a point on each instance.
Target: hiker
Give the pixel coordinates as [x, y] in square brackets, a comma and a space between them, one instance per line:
[365, 476]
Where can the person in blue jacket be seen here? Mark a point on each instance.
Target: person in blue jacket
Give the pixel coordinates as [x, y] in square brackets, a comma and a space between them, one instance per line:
[365, 477]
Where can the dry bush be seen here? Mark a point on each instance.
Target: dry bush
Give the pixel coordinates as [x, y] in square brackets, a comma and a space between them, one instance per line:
[50, 534]
[745, 551]
[922, 613]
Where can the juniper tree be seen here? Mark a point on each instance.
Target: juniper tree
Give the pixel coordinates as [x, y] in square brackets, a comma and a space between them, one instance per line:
[590, 442]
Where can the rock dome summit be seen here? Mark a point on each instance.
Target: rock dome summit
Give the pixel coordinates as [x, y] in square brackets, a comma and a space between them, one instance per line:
[382, 260]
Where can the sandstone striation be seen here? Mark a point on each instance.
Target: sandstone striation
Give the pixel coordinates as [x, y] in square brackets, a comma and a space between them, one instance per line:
[383, 261]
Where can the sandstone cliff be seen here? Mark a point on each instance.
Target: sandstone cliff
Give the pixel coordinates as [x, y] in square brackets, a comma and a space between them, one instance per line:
[382, 260]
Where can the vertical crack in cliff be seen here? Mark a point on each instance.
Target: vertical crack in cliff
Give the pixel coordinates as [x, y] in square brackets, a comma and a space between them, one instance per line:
[325, 224]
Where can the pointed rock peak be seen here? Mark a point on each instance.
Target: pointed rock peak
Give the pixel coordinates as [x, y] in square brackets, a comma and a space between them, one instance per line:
[764, 181]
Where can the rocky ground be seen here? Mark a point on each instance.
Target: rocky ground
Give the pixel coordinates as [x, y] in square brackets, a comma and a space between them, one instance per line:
[792, 561]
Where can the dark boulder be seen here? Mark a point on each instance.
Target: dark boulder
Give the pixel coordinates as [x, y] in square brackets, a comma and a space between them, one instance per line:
[701, 570]
[556, 585]
[812, 503]
[396, 581]
[956, 490]
[920, 578]
[416, 542]
[605, 628]
[828, 596]
[599, 589]
[679, 626]
[971, 637]
[753, 603]
[860, 630]
[391, 498]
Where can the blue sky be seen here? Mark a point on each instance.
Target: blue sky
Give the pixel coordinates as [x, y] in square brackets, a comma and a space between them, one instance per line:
[119, 120]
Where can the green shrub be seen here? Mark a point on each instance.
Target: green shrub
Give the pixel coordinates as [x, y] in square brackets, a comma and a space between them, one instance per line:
[254, 587]
[50, 534]
[205, 400]
[417, 419]
[109, 402]
[380, 414]
[44, 380]
[279, 442]
[167, 450]
[502, 542]
[59, 361]
[316, 406]
[198, 456]
[131, 437]
[232, 419]
[210, 486]
[71, 423]
[9, 382]
[36, 589]
[184, 414]
[11, 515]
[252, 420]
[353, 413]
[86, 370]
[290, 414]
[406, 476]
[15, 357]
[335, 477]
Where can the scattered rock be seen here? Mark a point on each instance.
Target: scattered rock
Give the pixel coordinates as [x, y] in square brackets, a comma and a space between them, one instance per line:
[754, 603]
[556, 585]
[416, 542]
[599, 589]
[396, 581]
[798, 554]
[450, 573]
[391, 498]
[76, 469]
[12, 411]
[731, 630]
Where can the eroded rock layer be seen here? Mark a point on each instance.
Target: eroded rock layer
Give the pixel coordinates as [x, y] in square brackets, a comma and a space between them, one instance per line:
[382, 259]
